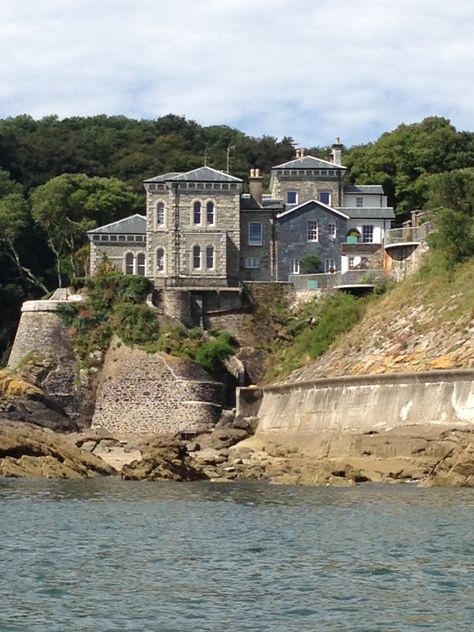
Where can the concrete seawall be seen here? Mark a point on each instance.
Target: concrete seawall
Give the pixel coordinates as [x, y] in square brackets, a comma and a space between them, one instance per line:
[370, 403]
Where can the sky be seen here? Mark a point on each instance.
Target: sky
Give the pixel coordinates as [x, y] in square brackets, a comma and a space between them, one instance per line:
[309, 69]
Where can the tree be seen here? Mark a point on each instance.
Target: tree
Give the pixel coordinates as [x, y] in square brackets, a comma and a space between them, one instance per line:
[69, 205]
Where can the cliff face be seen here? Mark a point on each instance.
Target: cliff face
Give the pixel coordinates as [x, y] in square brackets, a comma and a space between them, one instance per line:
[423, 324]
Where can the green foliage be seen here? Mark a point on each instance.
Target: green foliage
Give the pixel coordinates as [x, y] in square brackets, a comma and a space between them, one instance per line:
[311, 264]
[314, 329]
[404, 159]
[212, 353]
[134, 324]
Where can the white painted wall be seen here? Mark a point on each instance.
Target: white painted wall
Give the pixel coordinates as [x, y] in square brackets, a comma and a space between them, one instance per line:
[369, 201]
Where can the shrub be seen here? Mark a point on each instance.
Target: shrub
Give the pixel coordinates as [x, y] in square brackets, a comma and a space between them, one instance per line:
[310, 264]
[212, 353]
[134, 324]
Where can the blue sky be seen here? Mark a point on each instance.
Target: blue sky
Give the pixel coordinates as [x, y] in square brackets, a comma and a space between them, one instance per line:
[310, 69]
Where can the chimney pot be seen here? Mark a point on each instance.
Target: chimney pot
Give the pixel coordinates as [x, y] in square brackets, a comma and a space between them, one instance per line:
[256, 186]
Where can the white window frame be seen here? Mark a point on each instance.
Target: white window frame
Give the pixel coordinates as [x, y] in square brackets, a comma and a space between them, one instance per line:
[125, 264]
[137, 266]
[351, 263]
[368, 233]
[359, 201]
[312, 230]
[253, 241]
[328, 203]
[296, 197]
[160, 212]
[163, 269]
[294, 266]
[332, 230]
[329, 264]
[251, 263]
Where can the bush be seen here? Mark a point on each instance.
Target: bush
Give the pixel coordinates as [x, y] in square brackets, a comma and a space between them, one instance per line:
[311, 264]
[134, 324]
[212, 353]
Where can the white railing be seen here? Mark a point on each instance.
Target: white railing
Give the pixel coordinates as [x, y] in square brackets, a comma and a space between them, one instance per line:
[407, 234]
[333, 280]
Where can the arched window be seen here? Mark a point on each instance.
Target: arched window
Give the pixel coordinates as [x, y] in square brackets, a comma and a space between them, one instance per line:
[160, 214]
[129, 263]
[141, 264]
[210, 213]
[197, 257]
[197, 212]
[210, 257]
[160, 260]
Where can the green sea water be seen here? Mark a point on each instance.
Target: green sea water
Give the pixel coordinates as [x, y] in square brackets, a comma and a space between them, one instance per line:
[108, 555]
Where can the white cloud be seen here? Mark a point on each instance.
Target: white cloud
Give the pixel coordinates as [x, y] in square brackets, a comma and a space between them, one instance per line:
[307, 68]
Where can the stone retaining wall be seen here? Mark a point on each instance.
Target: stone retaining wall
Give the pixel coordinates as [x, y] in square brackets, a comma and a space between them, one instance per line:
[144, 393]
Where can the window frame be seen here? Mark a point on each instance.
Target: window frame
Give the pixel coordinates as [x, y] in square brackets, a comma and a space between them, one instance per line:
[251, 240]
[295, 193]
[197, 209]
[161, 270]
[325, 192]
[367, 233]
[312, 229]
[359, 201]
[210, 249]
[295, 266]
[195, 256]
[139, 265]
[332, 233]
[210, 203]
[160, 214]
[249, 261]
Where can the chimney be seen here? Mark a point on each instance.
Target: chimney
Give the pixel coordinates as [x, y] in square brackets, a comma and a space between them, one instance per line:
[336, 152]
[256, 185]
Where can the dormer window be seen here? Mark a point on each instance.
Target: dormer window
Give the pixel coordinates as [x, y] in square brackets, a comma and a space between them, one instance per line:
[292, 197]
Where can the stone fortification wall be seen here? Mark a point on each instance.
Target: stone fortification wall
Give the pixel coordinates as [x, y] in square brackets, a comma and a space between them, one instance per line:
[364, 404]
[404, 260]
[144, 393]
[42, 332]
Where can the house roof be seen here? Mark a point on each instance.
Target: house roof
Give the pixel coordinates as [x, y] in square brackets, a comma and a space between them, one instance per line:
[365, 189]
[201, 174]
[247, 203]
[369, 213]
[308, 162]
[337, 211]
[135, 225]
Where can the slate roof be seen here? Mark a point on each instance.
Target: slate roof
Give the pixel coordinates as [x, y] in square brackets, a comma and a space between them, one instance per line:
[247, 203]
[201, 174]
[133, 225]
[308, 162]
[364, 189]
[369, 213]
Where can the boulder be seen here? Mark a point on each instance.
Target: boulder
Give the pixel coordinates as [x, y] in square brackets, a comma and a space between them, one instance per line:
[456, 469]
[26, 450]
[163, 458]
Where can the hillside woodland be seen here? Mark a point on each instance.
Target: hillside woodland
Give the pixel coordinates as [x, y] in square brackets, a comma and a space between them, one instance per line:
[59, 178]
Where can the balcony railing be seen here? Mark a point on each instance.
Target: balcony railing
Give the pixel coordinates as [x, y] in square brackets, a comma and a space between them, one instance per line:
[407, 234]
[337, 279]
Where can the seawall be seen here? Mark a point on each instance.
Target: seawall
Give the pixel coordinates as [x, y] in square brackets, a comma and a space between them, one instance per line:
[305, 411]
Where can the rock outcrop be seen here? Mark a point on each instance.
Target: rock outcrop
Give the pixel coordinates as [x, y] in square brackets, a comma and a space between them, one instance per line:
[456, 468]
[29, 451]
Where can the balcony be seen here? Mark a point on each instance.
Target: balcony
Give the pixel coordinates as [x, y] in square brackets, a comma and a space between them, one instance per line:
[352, 279]
[359, 248]
[406, 236]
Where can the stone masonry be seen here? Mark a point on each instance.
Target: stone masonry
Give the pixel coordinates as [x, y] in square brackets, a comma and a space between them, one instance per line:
[144, 393]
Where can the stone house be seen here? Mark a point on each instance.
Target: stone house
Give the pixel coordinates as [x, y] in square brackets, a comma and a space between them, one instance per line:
[202, 231]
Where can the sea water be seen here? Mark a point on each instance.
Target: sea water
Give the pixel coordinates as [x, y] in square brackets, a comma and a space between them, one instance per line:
[109, 555]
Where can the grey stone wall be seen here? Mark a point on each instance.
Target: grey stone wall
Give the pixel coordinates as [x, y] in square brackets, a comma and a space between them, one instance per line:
[115, 253]
[292, 237]
[223, 235]
[308, 188]
[141, 393]
[43, 332]
[264, 253]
